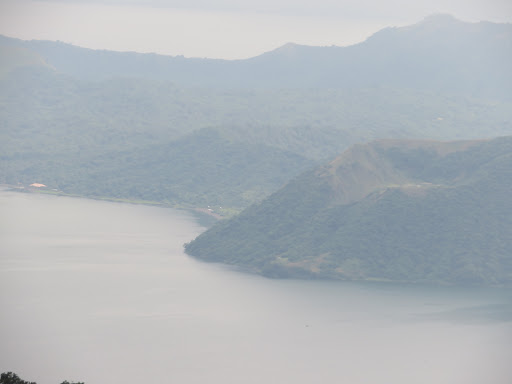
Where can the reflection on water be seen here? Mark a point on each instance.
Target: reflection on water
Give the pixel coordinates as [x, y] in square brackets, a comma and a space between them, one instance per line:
[103, 293]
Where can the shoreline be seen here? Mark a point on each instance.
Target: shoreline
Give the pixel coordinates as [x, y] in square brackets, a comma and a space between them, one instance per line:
[204, 217]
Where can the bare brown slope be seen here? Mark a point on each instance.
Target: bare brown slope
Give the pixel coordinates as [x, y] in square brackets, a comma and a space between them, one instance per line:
[365, 169]
[12, 58]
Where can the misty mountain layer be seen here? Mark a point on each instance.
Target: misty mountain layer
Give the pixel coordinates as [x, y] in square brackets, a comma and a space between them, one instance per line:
[199, 132]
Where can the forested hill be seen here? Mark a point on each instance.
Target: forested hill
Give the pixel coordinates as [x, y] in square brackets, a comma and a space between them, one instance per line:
[392, 210]
[439, 53]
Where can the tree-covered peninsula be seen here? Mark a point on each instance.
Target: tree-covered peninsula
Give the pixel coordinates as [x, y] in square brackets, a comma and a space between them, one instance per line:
[418, 211]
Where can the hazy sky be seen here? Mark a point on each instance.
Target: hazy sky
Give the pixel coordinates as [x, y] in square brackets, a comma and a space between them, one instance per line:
[224, 28]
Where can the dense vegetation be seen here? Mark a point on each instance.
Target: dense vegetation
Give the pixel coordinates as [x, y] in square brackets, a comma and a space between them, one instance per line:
[142, 137]
[409, 211]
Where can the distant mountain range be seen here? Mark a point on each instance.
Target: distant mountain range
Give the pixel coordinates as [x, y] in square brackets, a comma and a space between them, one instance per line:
[416, 211]
[440, 53]
[199, 132]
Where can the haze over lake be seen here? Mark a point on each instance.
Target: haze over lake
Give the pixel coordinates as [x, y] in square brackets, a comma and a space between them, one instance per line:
[103, 293]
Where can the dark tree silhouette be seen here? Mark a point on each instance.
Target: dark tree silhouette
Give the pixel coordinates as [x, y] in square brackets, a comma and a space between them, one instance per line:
[12, 378]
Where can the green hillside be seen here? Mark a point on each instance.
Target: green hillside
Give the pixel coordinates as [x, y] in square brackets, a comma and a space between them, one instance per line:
[199, 170]
[94, 138]
[199, 132]
[390, 210]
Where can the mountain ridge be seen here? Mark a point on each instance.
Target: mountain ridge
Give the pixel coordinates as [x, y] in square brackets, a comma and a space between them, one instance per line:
[438, 53]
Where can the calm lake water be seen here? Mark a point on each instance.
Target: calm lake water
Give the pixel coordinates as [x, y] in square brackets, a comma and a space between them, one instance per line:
[103, 293]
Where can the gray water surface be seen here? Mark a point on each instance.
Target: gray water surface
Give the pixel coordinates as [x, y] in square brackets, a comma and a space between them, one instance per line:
[102, 292]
